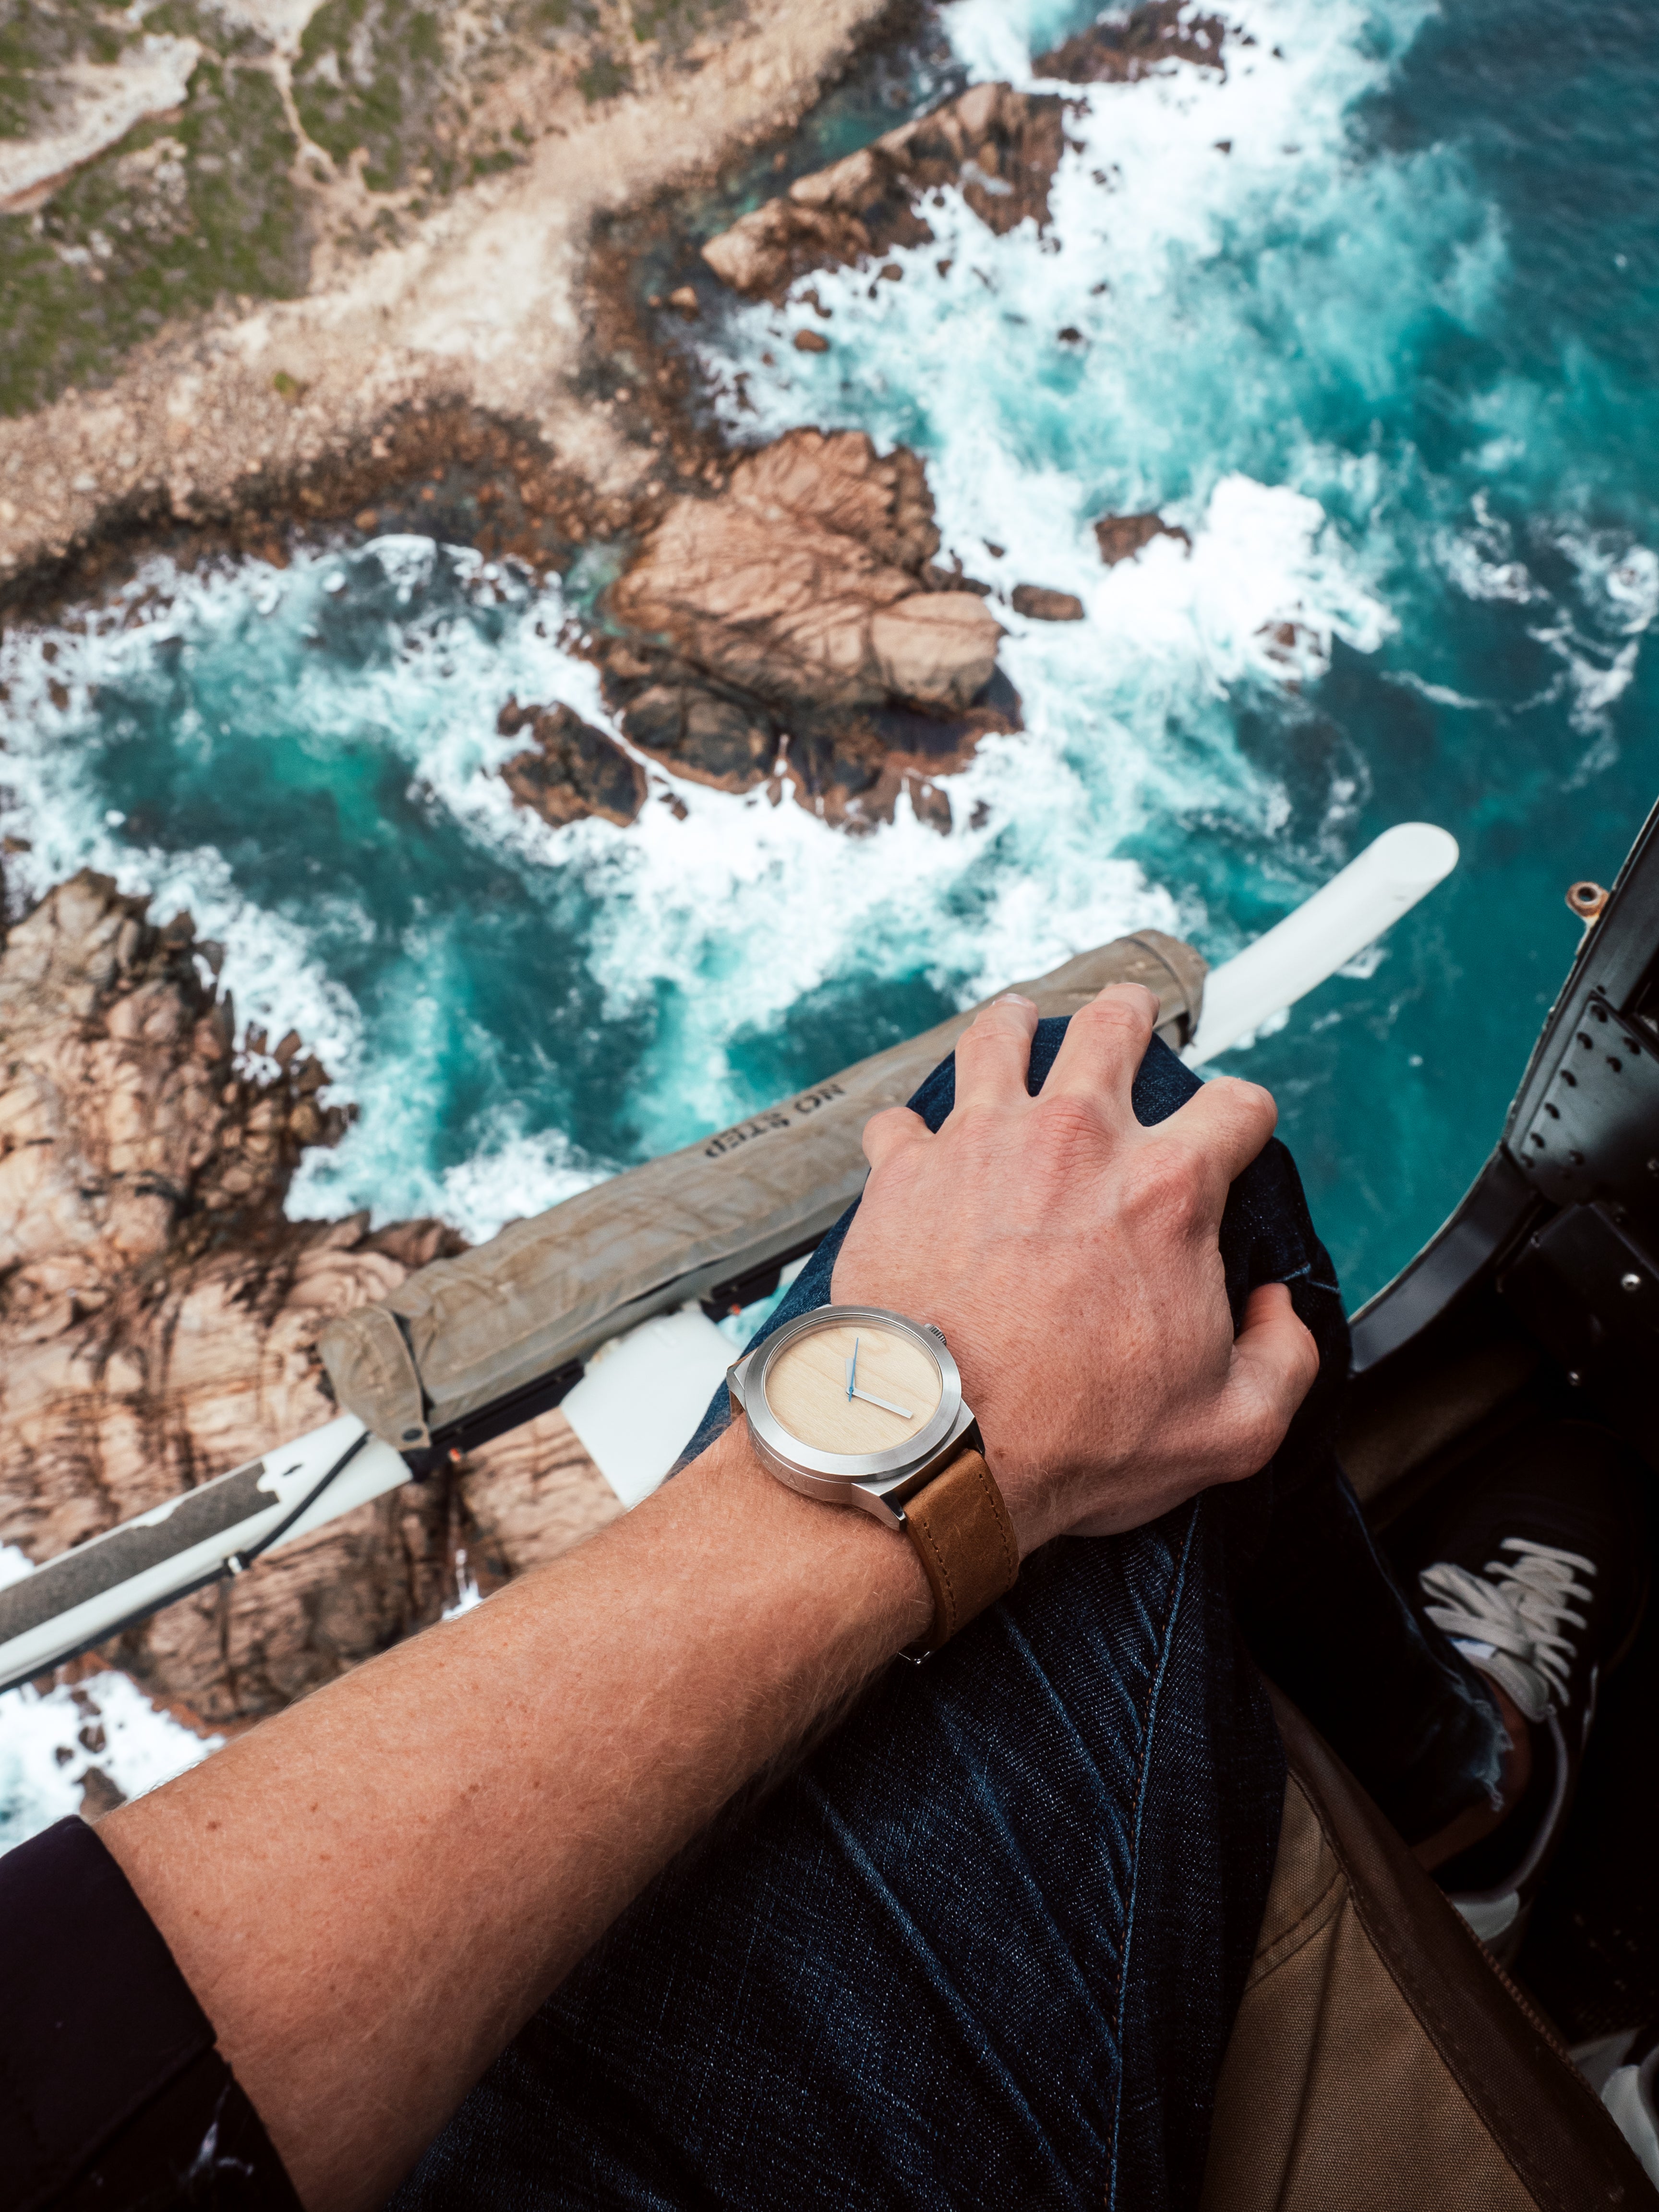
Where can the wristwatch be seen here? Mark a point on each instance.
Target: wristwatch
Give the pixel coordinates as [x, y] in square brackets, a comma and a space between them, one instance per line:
[859, 1406]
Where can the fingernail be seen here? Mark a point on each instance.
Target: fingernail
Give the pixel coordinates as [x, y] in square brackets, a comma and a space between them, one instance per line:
[1015, 998]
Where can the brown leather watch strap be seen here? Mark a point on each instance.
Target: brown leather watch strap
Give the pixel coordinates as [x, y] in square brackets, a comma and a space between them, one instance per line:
[966, 1543]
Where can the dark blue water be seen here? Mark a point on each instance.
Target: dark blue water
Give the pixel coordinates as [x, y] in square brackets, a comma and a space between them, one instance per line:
[1389, 360]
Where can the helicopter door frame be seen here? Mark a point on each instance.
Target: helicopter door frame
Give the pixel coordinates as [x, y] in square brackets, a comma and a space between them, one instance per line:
[1565, 1214]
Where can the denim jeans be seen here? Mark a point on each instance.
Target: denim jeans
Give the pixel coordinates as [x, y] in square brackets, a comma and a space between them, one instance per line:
[984, 1947]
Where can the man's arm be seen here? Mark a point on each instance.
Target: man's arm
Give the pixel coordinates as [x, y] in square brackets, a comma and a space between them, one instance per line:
[371, 1892]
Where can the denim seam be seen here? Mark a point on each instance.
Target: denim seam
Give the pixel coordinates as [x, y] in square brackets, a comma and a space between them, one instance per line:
[1166, 1638]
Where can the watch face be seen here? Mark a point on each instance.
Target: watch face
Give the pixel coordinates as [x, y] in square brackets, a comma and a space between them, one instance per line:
[854, 1386]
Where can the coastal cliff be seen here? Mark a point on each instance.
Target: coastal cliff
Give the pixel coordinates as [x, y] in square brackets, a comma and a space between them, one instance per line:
[230, 261]
[158, 1314]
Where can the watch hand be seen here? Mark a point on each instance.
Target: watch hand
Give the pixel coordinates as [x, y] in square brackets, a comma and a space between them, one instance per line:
[853, 1368]
[870, 1399]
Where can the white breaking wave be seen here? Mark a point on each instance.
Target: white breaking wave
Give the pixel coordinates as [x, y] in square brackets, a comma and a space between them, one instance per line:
[1595, 635]
[1111, 368]
[48, 1743]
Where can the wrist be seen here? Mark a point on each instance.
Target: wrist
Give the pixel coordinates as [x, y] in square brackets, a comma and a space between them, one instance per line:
[835, 1574]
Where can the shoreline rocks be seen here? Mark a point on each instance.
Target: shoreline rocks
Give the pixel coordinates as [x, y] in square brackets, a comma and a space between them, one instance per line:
[570, 769]
[1121, 537]
[1159, 32]
[1000, 146]
[224, 402]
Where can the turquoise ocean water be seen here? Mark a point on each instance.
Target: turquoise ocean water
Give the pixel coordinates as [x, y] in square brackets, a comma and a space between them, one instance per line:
[1391, 358]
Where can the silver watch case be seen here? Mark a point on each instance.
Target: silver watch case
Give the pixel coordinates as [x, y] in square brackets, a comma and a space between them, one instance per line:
[879, 1482]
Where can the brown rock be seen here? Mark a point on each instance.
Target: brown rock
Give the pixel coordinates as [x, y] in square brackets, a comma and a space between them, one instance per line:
[529, 1496]
[1286, 642]
[1121, 537]
[685, 300]
[811, 342]
[1117, 52]
[158, 1312]
[713, 739]
[1042, 605]
[800, 615]
[937, 579]
[935, 648]
[1000, 146]
[800, 582]
[852, 769]
[99, 1794]
[572, 768]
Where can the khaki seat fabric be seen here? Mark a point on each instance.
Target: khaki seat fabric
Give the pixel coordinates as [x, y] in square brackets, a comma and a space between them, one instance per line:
[1380, 2062]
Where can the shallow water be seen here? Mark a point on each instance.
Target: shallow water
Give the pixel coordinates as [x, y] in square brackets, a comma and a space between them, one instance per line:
[1389, 360]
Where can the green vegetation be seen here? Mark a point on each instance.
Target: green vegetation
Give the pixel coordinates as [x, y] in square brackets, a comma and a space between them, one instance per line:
[176, 215]
[674, 22]
[371, 74]
[603, 79]
[185, 19]
[36, 37]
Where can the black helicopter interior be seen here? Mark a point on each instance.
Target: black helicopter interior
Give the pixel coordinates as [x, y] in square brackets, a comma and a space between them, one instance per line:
[1539, 1300]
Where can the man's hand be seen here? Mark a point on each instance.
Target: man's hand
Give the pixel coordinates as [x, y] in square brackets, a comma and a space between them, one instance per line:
[1070, 1257]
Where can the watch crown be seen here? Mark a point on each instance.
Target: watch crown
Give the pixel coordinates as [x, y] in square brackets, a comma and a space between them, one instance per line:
[934, 1329]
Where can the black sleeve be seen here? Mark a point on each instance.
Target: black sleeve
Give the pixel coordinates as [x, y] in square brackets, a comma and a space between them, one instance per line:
[111, 2093]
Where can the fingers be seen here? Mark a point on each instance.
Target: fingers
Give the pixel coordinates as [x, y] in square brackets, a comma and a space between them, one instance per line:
[1105, 1043]
[1227, 1122]
[1275, 1362]
[994, 1053]
[889, 1132]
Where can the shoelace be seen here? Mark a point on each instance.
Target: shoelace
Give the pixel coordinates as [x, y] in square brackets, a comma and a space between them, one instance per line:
[1513, 1613]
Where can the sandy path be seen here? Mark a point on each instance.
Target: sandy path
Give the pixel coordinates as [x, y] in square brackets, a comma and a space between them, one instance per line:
[483, 305]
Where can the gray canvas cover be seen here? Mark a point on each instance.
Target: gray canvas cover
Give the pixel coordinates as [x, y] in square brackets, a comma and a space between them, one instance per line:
[463, 1334]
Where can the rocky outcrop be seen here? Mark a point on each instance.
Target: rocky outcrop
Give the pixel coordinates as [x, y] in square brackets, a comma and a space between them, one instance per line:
[123, 1113]
[1149, 38]
[158, 1312]
[1039, 604]
[1121, 537]
[799, 616]
[800, 581]
[998, 146]
[570, 768]
[1001, 147]
[715, 736]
